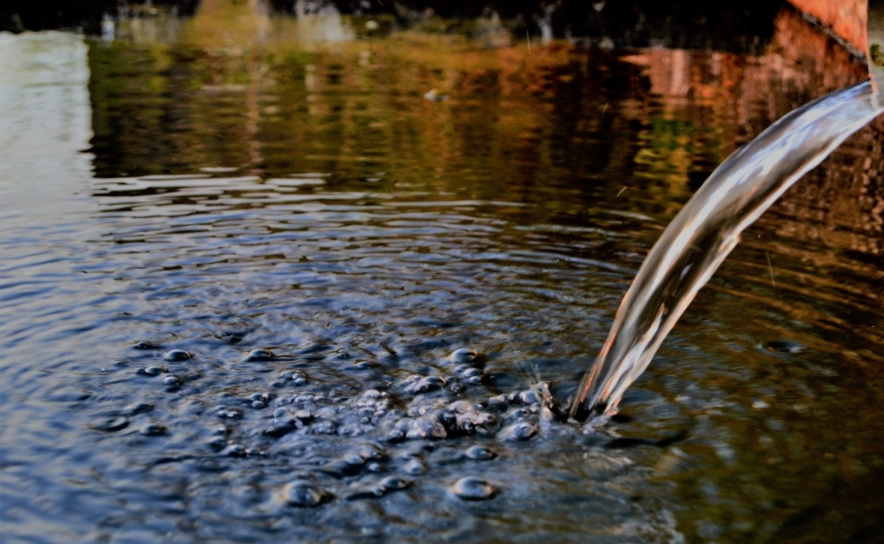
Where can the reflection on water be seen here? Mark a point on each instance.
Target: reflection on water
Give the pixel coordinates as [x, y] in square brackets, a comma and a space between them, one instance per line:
[283, 184]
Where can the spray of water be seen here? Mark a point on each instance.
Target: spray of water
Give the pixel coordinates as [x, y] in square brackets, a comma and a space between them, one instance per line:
[708, 228]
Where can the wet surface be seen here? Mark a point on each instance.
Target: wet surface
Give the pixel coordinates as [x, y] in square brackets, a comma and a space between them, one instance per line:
[260, 289]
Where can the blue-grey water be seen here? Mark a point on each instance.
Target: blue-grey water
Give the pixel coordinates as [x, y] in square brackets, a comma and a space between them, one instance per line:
[215, 193]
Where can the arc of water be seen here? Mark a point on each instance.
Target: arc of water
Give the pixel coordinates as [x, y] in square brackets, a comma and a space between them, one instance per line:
[706, 230]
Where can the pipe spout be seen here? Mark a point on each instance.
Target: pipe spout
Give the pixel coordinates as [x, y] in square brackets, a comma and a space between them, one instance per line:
[875, 45]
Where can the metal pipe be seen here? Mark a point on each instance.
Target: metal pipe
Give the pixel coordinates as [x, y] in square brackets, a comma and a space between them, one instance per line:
[875, 45]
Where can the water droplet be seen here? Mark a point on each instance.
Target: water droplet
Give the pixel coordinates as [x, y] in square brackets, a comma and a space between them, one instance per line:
[172, 381]
[480, 453]
[142, 345]
[785, 346]
[177, 355]
[304, 494]
[473, 489]
[150, 371]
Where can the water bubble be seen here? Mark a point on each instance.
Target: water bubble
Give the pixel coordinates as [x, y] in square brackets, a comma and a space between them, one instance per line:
[260, 355]
[521, 430]
[461, 407]
[466, 356]
[473, 489]
[393, 483]
[476, 422]
[228, 413]
[414, 467]
[369, 493]
[150, 371]
[153, 429]
[529, 397]
[231, 337]
[281, 427]
[260, 397]
[112, 425]
[480, 453]
[497, 404]
[172, 381]
[324, 427]
[426, 427]
[371, 452]
[237, 450]
[427, 383]
[142, 345]
[138, 408]
[785, 346]
[293, 376]
[177, 355]
[304, 494]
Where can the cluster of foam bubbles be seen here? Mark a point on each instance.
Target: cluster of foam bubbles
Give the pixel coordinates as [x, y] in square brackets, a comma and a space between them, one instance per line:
[343, 446]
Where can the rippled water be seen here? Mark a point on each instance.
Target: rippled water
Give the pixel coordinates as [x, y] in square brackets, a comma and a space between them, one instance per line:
[287, 185]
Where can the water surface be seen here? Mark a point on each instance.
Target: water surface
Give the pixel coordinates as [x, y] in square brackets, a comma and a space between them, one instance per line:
[293, 185]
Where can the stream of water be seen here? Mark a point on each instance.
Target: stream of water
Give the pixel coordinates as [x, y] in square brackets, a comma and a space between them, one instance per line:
[708, 228]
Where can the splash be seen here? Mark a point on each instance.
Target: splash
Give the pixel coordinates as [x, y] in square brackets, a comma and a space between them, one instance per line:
[706, 230]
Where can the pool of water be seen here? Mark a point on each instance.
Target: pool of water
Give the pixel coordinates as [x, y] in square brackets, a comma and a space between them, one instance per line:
[362, 201]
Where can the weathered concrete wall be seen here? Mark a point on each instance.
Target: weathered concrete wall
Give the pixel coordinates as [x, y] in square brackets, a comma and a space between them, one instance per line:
[846, 18]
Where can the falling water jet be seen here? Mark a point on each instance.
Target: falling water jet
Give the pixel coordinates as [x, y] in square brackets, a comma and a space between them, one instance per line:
[706, 230]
